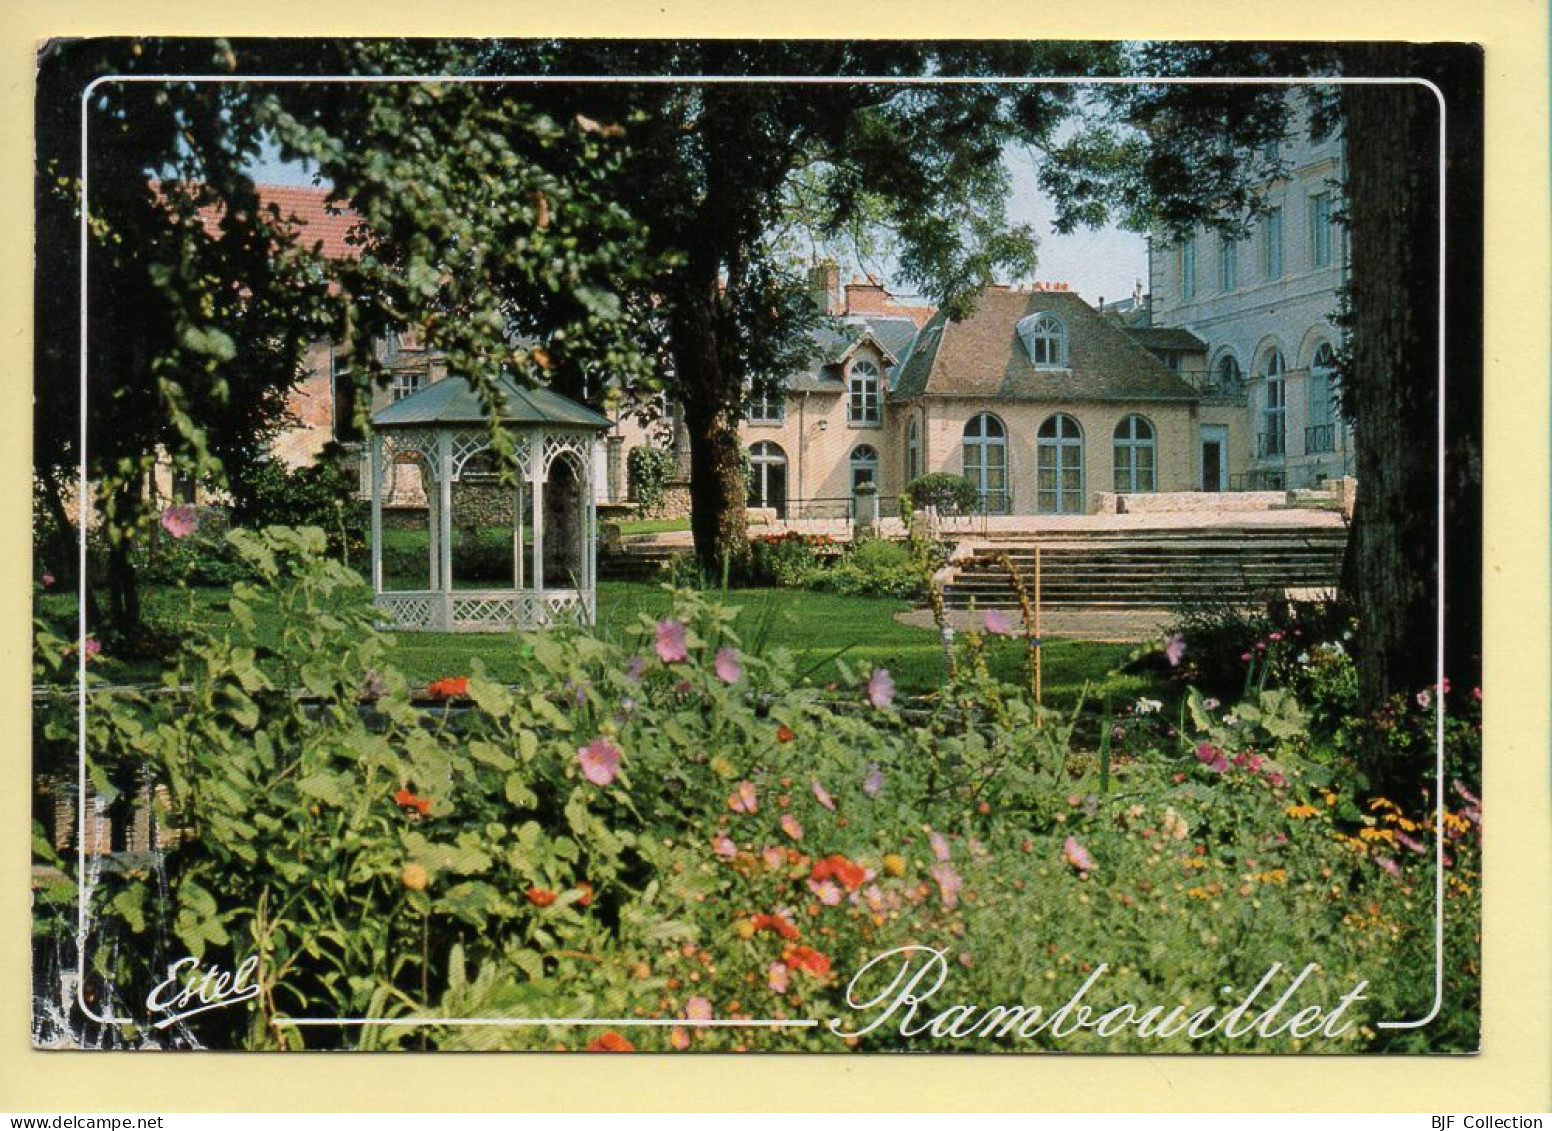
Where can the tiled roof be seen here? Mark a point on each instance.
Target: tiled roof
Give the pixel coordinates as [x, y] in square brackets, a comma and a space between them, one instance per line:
[823, 374]
[870, 299]
[320, 224]
[1166, 338]
[983, 356]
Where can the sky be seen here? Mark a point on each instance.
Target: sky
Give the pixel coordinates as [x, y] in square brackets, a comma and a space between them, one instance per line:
[1099, 263]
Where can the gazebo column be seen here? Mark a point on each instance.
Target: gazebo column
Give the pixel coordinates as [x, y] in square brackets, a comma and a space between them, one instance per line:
[445, 524]
[539, 579]
[517, 532]
[375, 467]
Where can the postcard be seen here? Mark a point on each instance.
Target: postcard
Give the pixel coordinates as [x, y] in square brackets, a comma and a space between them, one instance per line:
[711, 546]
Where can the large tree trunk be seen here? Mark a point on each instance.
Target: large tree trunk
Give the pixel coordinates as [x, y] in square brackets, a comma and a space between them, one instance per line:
[1392, 392]
[711, 385]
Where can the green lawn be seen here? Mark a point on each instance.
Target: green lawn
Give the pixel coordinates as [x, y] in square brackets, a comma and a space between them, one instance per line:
[653, 525]
[818, 628]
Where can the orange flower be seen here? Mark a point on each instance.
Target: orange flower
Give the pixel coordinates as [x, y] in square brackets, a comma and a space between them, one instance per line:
[807, 958]
[836, 867]
[784, 733]
[408, 800]
[775, 923]
[586, 898]
[540, 897]
[609, 1041]
[449, 688]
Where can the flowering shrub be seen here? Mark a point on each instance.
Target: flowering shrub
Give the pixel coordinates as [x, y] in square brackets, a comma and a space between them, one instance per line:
[675, 829]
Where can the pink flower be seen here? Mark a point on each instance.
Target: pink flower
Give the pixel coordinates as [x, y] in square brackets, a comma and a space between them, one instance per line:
[873, 784]
[1444, 686]
[1476, 693]
[180, 522]
[773, 856]
[636, 668]
[790, 826]
[1464, 793]
[949, 883]
[742, 799]
[1389, 865]
[776, 976]
[724, 847]
[1274, 636]
[1175, 650]
[881, 688]
[822, 796]
[600, 761]
[679, 1037]
[828, 892]
[939, 844]
[697, 1009]
[998, 624]
[1211, 757]
[1411, 842]
[1245, 656]
[92, 647]
[670, 642]
[1424, 698]
[1077, 855]
[48, 580]
[727, 667]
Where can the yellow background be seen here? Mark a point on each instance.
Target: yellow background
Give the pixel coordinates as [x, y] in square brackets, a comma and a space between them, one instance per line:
[1515, 1070]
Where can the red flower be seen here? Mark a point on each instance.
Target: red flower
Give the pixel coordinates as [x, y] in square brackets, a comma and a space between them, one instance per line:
[586, 897]
[450, 688]
[408, 800]
[540, 897]
[807, 958]
[784, 733]
[610, 1041]
[836, 867]
[775, 923]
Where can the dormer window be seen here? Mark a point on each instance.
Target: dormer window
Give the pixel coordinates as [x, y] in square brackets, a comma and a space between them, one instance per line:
[1045, 340]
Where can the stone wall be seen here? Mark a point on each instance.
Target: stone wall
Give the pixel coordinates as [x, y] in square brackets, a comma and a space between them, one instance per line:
[1196, 502]
[675, 503]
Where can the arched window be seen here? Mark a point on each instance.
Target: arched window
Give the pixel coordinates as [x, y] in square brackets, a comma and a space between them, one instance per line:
[912, 450]
[1274, 416]
[863, 386]
[986, 461]
[1059, 466]
[1319, 431]
[1045, 340]
[864, 465]
[1136, 456]
[1228, 374]
[768, 477]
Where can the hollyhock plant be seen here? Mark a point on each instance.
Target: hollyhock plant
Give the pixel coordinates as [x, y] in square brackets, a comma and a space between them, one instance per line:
[949, 884]
[743, 800]
[727, 666]
[180, 521]
[998, 624]
[822, 796]
[600, 761]
[873, 784]
[697, 1009]
[670, 646]
[881, 688]
[1077, 855]
[1175, 650]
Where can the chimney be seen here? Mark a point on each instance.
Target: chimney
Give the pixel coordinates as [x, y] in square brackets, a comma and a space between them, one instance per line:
[825, 285]
[865, 295]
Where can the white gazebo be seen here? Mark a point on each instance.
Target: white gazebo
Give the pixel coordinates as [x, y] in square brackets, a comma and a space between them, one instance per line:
[441, 436]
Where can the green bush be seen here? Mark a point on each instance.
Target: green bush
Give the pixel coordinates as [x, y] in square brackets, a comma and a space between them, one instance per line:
[648, 472]
[321, 494]
[873, 568]
[947, 492]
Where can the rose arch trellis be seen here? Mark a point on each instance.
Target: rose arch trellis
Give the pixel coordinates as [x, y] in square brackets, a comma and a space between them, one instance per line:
[441, 436]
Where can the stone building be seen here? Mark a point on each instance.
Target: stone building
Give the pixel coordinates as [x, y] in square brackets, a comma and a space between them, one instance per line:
[1262, 309]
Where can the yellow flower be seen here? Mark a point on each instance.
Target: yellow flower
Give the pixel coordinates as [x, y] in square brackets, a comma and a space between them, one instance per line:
[415, 877]
[894, 864]
[1300, 812]
[1377, 834]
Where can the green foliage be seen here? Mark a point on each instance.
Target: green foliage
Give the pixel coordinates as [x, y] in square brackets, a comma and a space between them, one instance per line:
[321, 494]
[872, 568]
[786, 560]
[649, 471]
[945, 491]
[631, 833]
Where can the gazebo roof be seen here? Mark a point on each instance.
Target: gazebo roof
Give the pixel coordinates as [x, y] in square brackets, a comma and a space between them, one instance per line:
[452, 401]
